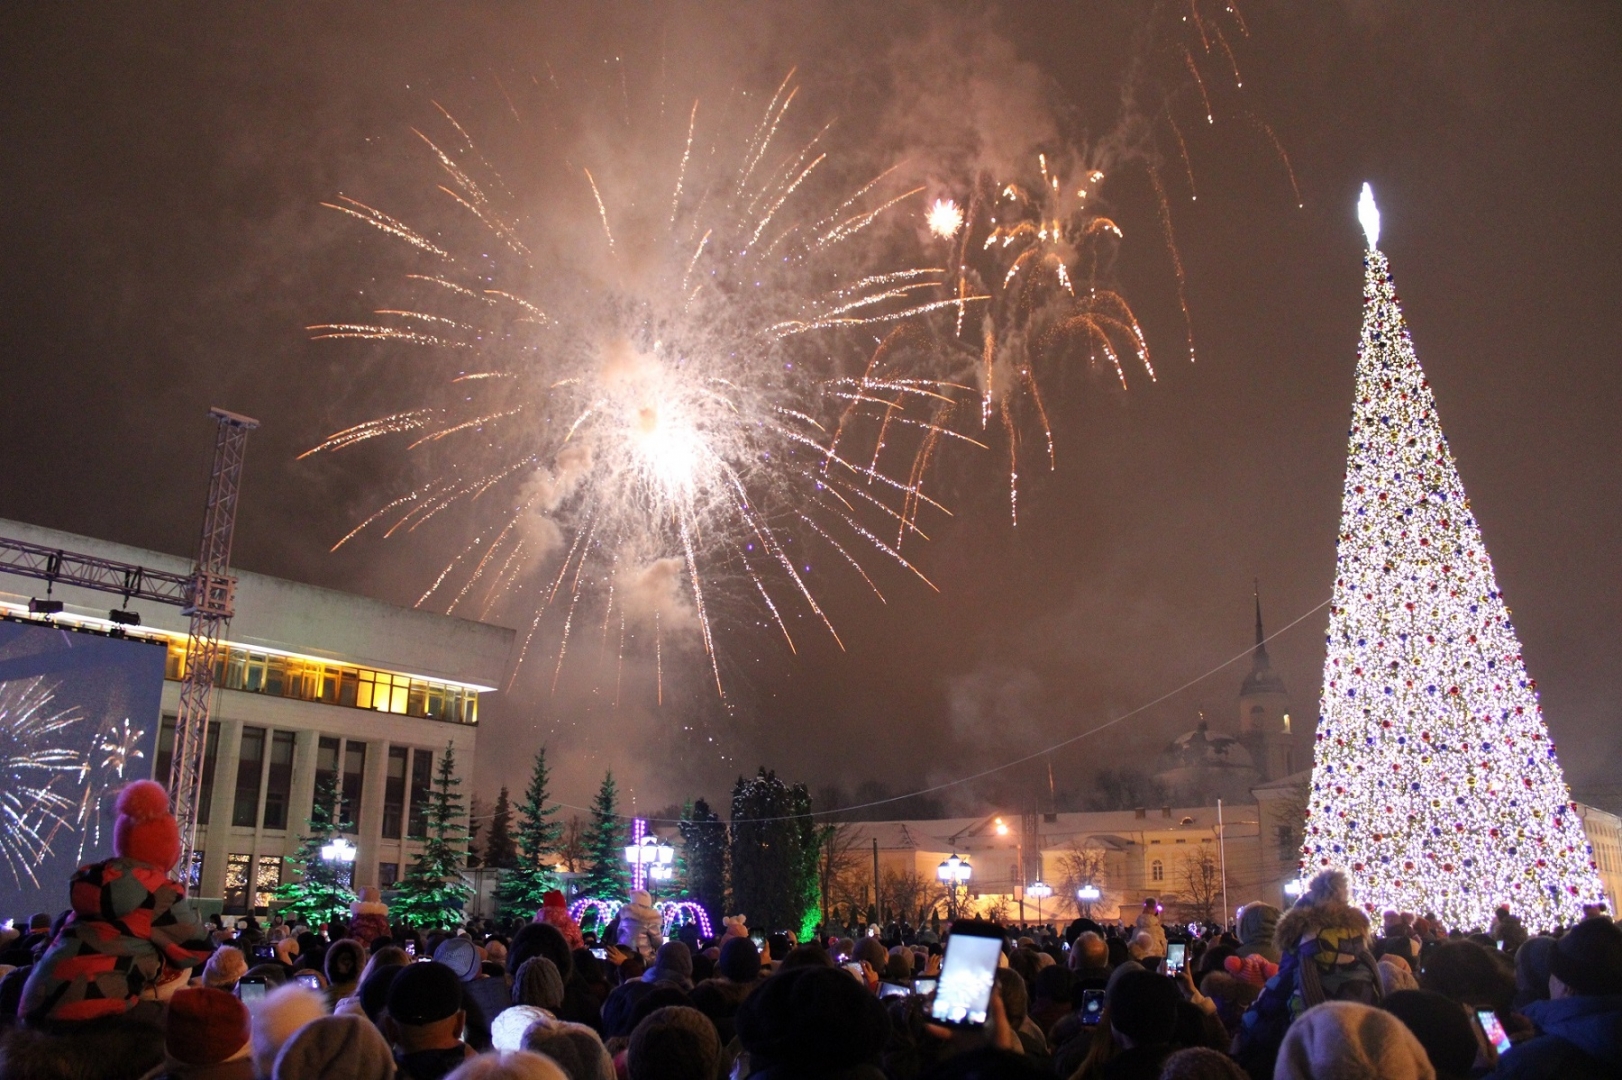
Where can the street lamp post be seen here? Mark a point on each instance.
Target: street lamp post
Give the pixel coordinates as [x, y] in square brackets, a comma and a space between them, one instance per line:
[651, 859]
[953, 872]
[1086, 897]
[340, 853]
[1041, 890]
[1295, 887]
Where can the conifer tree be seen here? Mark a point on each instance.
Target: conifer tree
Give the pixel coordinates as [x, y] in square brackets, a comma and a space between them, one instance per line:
[321, 893]
[704, 852]
[522, 887]
[475, 823]
[499, 850]
[605, 846]
[434, 892]
[1435, 784]
[774, 853]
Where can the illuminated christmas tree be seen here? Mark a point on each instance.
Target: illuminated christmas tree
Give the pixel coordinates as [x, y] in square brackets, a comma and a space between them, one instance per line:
[1435, 784]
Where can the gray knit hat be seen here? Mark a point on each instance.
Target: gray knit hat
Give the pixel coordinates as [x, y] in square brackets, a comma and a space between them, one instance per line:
[538, 983]
[674, 1043]
[336, 1048]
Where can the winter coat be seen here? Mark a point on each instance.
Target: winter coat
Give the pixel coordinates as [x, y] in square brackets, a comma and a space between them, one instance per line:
[1324, 956]
[370, 921]
[1149, 923]
[1581, 1039]
[640, 929]
[129, 922]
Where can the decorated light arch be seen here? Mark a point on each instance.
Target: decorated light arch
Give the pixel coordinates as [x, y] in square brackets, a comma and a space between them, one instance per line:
[681, 912]
[604, 911]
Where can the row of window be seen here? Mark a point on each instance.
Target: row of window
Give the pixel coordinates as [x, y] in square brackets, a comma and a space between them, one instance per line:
[250, 884]
[332, 684]
[264, 780]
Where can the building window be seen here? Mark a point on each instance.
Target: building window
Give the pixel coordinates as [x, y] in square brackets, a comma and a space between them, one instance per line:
[387, 874]
[250, 767]
[354, 776]
[265, 881]
[422, 770]
[394, 786]
[163, 761]
[326, 762]
[333, 684]
[279, 780]
[236, 882]
[1157, 871]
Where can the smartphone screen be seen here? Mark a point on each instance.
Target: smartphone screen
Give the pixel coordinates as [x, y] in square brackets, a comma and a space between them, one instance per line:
[250, 989]
[968, 975]
[1092, 1006]
[601, 954]
[923, 987]
[855, 968]
[1493, 1028]
[411, 948]
[888, 989]
[1175, 952]
[310, 979]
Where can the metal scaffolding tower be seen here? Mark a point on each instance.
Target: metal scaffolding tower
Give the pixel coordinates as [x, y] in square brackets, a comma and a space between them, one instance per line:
[209, 601]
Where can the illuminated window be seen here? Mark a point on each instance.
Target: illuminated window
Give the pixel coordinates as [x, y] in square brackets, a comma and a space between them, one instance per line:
[268, 876]
[1157, 871]
[236, 882]
[311, 680]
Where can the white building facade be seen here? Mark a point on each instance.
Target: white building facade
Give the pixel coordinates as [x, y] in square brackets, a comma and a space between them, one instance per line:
[313, 682]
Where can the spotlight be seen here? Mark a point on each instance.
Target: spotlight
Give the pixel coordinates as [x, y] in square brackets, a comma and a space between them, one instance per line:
[44, 607]
[124, 618]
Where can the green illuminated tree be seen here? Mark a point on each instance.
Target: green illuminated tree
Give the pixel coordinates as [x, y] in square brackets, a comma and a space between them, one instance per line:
[321, 892]
[434, 891]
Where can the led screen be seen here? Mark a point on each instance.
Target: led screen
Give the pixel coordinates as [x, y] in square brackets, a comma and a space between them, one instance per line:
[79, 718]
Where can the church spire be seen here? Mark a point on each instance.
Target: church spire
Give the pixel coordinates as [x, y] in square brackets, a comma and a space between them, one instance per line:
[1260, 661]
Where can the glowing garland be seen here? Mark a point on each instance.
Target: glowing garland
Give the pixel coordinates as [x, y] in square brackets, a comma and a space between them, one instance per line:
[1435, 784]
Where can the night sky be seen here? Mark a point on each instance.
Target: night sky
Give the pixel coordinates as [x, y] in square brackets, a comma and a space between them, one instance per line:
[164, 248]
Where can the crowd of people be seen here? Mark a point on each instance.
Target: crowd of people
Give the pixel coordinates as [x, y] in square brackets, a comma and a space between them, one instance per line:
[128, 982]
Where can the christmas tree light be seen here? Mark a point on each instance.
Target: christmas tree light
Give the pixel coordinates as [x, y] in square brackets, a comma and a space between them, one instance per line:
[1435, 784]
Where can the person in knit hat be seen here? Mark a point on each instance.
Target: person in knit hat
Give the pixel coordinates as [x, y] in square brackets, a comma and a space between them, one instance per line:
[641, 926]
[509, 1065]
[1323, 944]
[577, 1049]
[508, 1028]
[538, 983]
[206, 1036]
[673, 963]
[335, 1048]
[673, 1043]
[276, 1017]
[1346, 1040]
[1441, 1027]
[1201, 1063]
[224, 968]
[555, 912]
[131, 925]
[368, 916]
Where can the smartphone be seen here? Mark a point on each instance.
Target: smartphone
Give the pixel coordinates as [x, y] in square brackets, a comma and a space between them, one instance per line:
[1492, 1029]
[923, 987]
[601, 954]
[411, 948]
[251, 987]
[264, 952]
[968, 975]
[855, 968]
[888, 989]
[1176, 952]
[310, 979]
[1092, 1006]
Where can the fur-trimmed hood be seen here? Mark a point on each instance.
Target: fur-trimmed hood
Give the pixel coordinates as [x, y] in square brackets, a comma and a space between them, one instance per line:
[364, 907]
[1304, 919]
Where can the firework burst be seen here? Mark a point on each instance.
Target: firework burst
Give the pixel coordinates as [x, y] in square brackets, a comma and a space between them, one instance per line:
[646, 429]
[37, 772]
